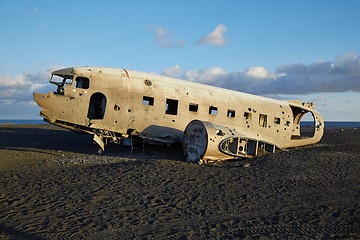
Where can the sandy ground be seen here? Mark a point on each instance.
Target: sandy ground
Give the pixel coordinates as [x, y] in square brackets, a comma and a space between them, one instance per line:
[53, 185]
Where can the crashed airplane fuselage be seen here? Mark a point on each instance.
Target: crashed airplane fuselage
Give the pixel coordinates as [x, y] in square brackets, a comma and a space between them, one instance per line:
[213, 123]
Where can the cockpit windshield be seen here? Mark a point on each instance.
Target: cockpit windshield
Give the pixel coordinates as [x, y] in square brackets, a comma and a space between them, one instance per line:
[60, 81]
[60, 78]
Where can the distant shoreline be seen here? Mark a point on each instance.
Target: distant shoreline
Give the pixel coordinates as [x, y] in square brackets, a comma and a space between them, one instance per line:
[341, 124]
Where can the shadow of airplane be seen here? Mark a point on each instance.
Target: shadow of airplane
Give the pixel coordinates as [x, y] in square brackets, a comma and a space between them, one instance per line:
[42, 138]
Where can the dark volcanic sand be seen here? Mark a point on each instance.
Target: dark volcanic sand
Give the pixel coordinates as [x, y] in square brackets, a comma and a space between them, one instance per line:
[53, 185]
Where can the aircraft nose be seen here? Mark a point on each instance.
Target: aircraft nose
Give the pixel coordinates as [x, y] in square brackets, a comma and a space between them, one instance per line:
[43, 101]
[38, 97]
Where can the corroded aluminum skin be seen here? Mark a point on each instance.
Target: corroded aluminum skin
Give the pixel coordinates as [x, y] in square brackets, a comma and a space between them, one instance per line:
[126, 114]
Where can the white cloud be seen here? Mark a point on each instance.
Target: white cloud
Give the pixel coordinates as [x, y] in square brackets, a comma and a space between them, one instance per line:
[16, 94]
[340, 75]
[20, 88]
[207, 76]
[165, 39]
[19, 81]
[216, 37]
[258, 72]
[172, 71]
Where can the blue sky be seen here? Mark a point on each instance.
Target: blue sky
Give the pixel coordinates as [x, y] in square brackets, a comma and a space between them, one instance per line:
[307, 50]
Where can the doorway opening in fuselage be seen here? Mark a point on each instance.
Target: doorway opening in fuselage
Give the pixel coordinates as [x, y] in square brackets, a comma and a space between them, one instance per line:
[304, 123]
[307, 125]
[97, 106]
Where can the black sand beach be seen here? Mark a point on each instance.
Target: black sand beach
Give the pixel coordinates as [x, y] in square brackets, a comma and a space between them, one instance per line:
[53, 185]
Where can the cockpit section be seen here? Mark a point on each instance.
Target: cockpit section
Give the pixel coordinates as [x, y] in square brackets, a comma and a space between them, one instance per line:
[65, 77]
[62, 78]
[60, 82]
[69, 101]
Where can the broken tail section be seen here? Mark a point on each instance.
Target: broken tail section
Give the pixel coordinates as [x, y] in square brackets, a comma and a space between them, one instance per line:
[204, 142]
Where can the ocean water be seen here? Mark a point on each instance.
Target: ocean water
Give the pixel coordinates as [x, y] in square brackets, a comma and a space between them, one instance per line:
[22, 121]
[340, 124]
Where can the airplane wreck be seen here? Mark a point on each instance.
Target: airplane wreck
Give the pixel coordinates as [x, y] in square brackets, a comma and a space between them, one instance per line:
[213, 124]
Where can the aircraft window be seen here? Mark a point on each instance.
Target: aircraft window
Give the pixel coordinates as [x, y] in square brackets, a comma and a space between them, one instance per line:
[148, 101]
[263, 120]
[247, 115]
[231, 113]
[171, 106]
[68, 81]
[276, 120]
[193, 107]
[82, 82]
[213, 110]
[61, 79]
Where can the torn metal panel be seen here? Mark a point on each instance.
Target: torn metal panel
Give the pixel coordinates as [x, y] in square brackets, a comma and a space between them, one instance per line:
[98, 139]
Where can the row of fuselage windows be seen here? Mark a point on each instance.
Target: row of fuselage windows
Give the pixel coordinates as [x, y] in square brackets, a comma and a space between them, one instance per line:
[172, 109]
[172, 106]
